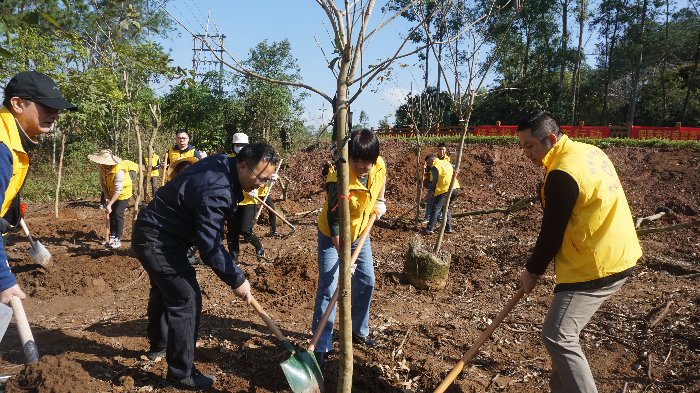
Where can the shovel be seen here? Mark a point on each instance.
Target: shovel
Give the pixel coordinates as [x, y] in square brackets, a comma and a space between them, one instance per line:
[25, 334]
[301, 369]
[334, 298]
[36, 250]
[480, 341]
[275, 213]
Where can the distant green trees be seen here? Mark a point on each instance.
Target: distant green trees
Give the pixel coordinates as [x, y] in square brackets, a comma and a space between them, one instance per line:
[646, 51]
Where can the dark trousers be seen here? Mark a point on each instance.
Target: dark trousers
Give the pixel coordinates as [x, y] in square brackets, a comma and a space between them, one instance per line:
[175, 300]
[242, 224]
[155, 184]
[116, 218]
[271, 216]
[438, 203]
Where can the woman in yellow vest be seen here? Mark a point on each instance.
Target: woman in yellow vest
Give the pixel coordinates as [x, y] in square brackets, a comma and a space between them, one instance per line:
[367, 185]
[117, 187]
[244, 217]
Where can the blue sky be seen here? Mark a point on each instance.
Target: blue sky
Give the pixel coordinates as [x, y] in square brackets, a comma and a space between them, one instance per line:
[246, 23]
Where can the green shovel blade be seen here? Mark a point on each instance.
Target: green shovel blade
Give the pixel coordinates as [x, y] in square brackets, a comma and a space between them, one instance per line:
[303, 373]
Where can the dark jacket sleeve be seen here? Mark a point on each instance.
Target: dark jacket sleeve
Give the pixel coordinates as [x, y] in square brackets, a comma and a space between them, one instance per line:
[211, 214]
[433, 182]
[332, 213]
[7, 279]
[560, 195]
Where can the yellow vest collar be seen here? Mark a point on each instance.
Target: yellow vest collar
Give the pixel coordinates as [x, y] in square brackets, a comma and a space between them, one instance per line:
[554, 152]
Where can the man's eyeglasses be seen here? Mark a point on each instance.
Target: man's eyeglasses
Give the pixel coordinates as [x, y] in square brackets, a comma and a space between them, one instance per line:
[263, 181]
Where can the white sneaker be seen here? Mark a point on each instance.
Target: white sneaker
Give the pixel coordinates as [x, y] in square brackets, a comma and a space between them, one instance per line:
[115, 242]
[101, 207]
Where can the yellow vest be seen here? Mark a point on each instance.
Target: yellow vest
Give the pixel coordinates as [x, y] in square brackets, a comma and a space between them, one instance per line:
[262, 191]
[445, 172]
[174, 154]
[131, 166]
[154, 162]
[362, 199]
[109, 180]
[600, 238]
[10, 136]
[447, 158]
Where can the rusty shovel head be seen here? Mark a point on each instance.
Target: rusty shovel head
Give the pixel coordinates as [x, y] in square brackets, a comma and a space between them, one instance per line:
[40, 254]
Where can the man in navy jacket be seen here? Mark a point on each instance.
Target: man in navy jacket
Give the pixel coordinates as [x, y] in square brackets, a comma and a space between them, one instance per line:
[192, 209]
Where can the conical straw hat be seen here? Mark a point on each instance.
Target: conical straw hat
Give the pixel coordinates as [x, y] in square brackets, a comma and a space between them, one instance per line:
[178, 161]
[105, 157]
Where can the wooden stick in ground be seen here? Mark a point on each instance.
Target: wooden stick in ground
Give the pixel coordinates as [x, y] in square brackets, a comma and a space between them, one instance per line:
[408, 211]
[479, 342]
[25, 333]
[519, 205]
[669, 228]
[334, 298]
[60, 168]
[275, 213]
[270, 183]
[661, 316]
[165, 168]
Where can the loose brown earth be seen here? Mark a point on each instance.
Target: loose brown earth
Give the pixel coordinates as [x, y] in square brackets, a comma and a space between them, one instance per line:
[88, 311]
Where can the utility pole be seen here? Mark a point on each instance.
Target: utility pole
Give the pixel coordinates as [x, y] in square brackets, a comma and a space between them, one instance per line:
[197, 53]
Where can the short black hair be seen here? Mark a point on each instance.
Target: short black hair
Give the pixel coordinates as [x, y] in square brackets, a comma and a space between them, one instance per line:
[541, 123]
[182, 131]
[441, 144]
[253, 153]
[363, 145]
[430, 157]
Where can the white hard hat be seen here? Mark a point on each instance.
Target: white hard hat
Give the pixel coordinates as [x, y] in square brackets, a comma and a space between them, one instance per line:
[240, 137]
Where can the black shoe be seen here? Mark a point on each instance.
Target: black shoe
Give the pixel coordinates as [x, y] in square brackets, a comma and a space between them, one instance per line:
[425, 232]
[275, 234]
[260, 252]
[449, 230]
[320, 358]
[196, 381]
[154, 354]
[363, 340]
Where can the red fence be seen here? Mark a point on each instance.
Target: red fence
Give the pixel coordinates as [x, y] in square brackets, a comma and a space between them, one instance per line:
[630, 131]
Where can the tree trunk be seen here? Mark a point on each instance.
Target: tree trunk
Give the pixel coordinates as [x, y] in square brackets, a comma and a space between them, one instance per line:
[425, 87]
[635, 79]
[564, 42]
[577, 66]
[663, 69]
[608, 71]
[465, 126]
[691, 81]
[137, 130]
[344, 255]
[60, 169]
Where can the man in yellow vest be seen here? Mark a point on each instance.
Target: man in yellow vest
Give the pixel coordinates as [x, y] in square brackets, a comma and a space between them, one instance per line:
[31, 106]
[442, 156]
[182, 148]
[440, 177]
[587, 229]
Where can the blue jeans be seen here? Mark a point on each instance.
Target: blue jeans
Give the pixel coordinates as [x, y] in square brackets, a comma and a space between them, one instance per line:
[361, 290]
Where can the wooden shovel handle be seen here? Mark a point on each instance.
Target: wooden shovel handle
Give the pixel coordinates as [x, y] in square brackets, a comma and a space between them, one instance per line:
[480, 341]
[268, 321]
[334, 298]
[275, 213]
[25, 333]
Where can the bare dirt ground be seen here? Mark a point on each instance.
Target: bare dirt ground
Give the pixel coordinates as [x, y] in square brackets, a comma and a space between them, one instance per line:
[88, 311]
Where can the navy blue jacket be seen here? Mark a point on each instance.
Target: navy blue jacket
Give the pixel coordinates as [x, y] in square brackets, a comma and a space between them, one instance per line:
[194, 206]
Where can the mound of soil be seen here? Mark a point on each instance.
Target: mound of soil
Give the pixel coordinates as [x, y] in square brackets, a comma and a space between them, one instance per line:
[88, 311]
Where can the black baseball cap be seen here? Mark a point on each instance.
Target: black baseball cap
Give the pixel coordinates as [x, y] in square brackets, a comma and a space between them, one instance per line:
[37, 87]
